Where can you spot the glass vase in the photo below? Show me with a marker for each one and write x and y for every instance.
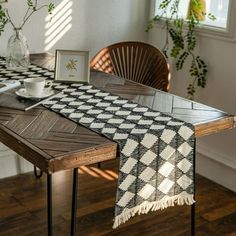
(17, 51)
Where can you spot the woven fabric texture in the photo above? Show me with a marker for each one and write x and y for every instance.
(156, 150)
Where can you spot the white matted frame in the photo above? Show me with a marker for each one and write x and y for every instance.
(72, 66)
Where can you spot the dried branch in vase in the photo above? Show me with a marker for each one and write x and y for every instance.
(32, 7)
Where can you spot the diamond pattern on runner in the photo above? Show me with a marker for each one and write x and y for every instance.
(95, 125)
(149, 140)
(166, 169)
(184, 165)
(167, 152)
(156, 150)
(184, 181)
(125, 199)
(129, 179)
(168, 135)
(148, 157)
(185, 132)
(120, 136)
(165, 185)
(147, 174)
(129, 147)
(146, 191)
(185, 149)
(128, 166)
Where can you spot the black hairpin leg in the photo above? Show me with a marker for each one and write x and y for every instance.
(36, 174)
(74, 201)
(193, 207)
(99, 165)
(49, 203)
(193, 220)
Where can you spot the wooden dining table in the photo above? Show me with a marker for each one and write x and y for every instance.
(54, 143)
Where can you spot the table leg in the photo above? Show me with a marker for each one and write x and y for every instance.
(193, 207)
(36, 174)
(193, 220)
(74, 201)
(49, 203)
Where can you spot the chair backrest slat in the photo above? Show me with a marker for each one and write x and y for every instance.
(135, 61)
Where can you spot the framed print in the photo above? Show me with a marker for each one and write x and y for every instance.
(72, 66)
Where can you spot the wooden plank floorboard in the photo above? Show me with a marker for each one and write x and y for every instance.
(23, 207)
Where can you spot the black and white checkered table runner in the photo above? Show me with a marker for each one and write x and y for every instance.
(156, 150)
(33, 71)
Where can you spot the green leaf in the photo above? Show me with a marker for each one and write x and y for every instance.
(164, 4)
(181, 60)
(211, 16)
(30, 3)
(3, 19)
(184, 40)
(51, 7)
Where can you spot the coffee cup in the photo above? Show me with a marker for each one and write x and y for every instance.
(35, 86)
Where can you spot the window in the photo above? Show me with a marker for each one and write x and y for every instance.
(219, 8)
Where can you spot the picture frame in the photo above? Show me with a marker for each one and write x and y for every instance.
(72, 66)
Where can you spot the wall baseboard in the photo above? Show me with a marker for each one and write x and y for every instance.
(11, 163)
(216, 156)
(218, 168)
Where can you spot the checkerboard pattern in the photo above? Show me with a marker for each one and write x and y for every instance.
(33, 71)
(156, 150)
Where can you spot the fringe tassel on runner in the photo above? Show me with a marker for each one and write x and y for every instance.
(145, 207)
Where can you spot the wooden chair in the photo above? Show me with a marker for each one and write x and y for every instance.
(135, 61)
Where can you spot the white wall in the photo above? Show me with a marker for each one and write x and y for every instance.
(219, 93)
(95, 24)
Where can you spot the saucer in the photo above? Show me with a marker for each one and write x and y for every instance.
(23, 93)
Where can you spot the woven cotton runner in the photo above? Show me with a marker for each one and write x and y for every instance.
(156, 150)
(33, 71)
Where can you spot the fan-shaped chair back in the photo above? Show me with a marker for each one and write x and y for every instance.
(135, 61)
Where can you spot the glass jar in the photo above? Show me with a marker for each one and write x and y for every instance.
(17, 51)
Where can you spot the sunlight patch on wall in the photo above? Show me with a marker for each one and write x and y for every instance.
(58, 24)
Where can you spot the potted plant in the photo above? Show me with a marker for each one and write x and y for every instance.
(17, 47)
(182, 33)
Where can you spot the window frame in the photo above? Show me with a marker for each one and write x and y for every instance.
(227, 33)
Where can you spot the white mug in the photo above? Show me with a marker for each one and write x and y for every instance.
(35, 86)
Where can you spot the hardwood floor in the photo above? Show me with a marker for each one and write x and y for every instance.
(23, 207)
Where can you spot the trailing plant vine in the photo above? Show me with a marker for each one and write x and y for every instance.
(182, 33)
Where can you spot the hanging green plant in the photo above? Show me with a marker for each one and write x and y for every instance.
(182, 33)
